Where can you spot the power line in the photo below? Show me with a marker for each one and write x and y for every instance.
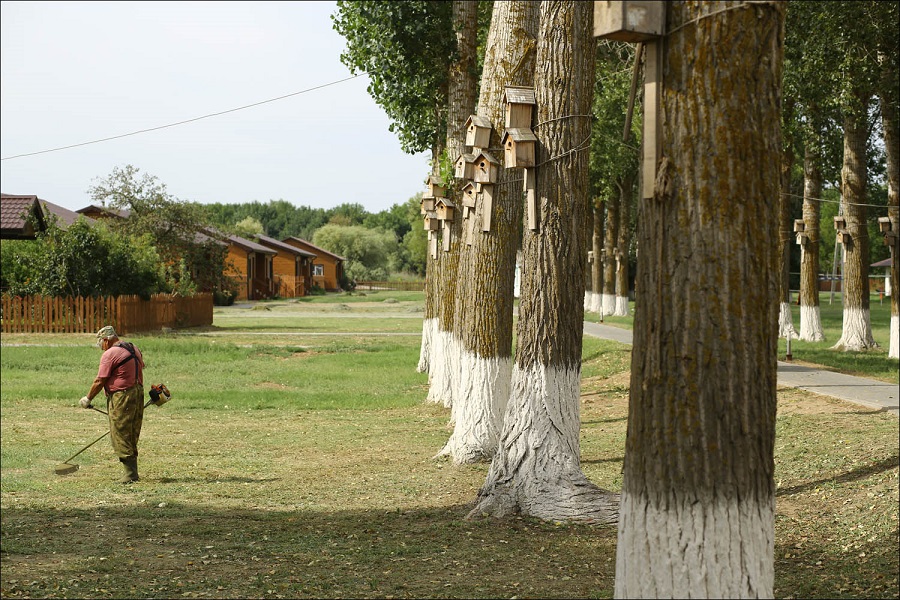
(834, 201)
(231, 110)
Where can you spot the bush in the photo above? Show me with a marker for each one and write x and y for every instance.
(223, 297)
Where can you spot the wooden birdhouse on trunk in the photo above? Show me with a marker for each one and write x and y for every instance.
(486, 168)
(435, 187)
(444, 209)
(518, 148)
(519, 106)
(799, 225)
(431, 221)
(478, 132)
(464, 167)
(427, 204)
(629, 21)
(469, 194)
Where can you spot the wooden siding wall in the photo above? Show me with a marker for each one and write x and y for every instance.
(128, 314)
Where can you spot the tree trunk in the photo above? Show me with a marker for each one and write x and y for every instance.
(537, 469)
(461, 104)
(626, 190)
(810, 317)
(892, 151)
(698, 496)
(856, 333)
(785, 238)
(432, 292)
(610, 234)
(597, 265)
(482, 339)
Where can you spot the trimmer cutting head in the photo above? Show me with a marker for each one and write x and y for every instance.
(65, 468)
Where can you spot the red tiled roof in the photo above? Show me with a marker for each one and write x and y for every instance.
(14, 211)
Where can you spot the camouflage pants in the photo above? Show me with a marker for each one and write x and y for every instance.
(126, 415)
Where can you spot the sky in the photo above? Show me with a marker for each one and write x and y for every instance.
(76, 72)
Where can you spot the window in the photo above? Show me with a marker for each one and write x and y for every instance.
(318, 270)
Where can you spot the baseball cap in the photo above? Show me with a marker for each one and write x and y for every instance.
(106, 331)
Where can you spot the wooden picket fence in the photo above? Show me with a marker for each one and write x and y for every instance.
(405, 286)
(128, 314)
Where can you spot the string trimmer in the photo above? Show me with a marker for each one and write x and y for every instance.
(159, 395)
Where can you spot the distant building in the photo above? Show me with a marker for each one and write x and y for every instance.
(328, 268)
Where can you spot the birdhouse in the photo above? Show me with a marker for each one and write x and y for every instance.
(531, 207)
(518, 147)
(427, 204)
(478, 132)
(843, 237)
(890, 239)
(590, 256)
(799, 225)
(629, 21)
(486, 168)
(884, 224)
(802, 239)
(468, 195)
(435, 187)
(840, 223)
(487, 209)
(519, 106)
(444, 209)
(431, 221)
(464, 167)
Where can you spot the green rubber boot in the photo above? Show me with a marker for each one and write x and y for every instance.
(131, 472)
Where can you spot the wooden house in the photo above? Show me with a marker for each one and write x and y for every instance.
(327, 267)
(22, 216)
(464, 167)
(444, 209)
(435, 187)
(431, 222)
(629, 20)
(291, 267)
(518, 147)
(249, 265)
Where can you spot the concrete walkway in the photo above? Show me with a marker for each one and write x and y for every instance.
(870, 393)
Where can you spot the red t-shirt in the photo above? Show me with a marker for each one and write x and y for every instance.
(123, 376)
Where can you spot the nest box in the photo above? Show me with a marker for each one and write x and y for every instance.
(884, 224)
(464, 167)
(468, 195)
(444, 209)
(431, 221)
(799, 225)
(478, 132)
(518, 147)
(629, 21)
(519, 106)
(843, 236)
(486, 168)
(435, 187)
(427, 204)
(840, 223)
(802, 239)
(590, 256)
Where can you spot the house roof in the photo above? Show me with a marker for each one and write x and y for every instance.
(15, 208)
(319, 251)
(110, 212)
(519, 95)
(882, 263)
(479, 122)
(273, 243)
(519, 134)
(249, 245)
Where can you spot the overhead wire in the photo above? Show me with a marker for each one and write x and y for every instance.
(207, 116)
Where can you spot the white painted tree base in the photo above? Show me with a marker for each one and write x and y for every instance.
(537, 468)
(440, 390)
(621, 306)
(609, 304)
(597, 303)
(429, 326)
(894, 348)
(688, 547)
(479, 401)
(856, 334)
(786, 322)
(811, 324)
(480, 392)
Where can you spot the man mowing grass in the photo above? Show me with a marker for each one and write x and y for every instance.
(121, 376)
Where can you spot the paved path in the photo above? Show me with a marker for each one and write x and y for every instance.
(871, 393)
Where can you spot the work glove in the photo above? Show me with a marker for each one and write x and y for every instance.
(85, 402)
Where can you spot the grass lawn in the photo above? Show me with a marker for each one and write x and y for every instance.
(295, 464)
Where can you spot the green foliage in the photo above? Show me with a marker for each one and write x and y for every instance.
(406, 48)
(415, 242)
(366, 250)
(82, 260)
(279, 218)
(177, 230)
(248, 227)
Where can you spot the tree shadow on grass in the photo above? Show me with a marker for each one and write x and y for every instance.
(852, 475)
(182, 550)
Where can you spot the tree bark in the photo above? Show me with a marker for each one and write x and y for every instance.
(482, 339)
(461, 104)
(892, 151)
(626, 190)
(537, 469)
(698, 496)
(610, 233)
(856, 333)
(810, 316)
